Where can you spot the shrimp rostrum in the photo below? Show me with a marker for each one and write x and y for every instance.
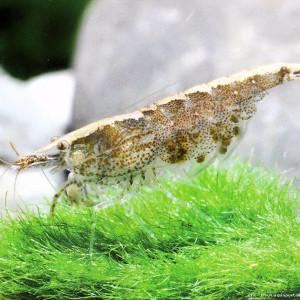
(198, 124)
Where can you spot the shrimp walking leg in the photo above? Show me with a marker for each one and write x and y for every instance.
(175, 200)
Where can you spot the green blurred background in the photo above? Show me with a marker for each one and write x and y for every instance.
(38, 36)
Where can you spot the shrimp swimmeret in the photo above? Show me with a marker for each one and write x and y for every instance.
(198, 124)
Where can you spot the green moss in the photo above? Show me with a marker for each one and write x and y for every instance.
(250, 244)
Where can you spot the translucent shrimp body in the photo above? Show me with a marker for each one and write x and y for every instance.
(198, 124)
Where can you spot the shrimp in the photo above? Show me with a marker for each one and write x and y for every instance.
(199, 124)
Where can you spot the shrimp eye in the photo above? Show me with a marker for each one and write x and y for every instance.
(63, 145)
(53, 139)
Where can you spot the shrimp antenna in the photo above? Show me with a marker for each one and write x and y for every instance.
(8, 167)
(17, 153)
(5, 162)
(149, 95)
(13, 147)
(15, 184)
(48, 179)
(4, 171)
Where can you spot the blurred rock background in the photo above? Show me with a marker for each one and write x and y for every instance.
(129, 53)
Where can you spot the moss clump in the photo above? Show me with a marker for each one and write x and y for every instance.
(247, 243)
